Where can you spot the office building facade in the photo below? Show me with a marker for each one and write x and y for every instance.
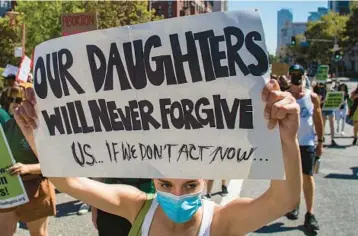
(316, 15)
(220, 5)
(5, 6)
(340, 7)
(284, 17)
(170, 9)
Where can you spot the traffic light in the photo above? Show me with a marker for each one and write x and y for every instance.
(338, 55)
(293, 40)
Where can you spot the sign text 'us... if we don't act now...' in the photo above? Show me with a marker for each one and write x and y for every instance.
(163, 99)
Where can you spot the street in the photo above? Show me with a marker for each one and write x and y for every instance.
(336, 205)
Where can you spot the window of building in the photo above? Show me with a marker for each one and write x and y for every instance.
(159, 11)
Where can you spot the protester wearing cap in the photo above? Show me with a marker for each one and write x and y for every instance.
(10, 80)
(310, 120)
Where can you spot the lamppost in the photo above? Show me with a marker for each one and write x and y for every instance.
(335, 46)
(12, 16)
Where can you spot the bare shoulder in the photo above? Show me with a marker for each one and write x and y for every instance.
(315, 98)
(133, 199)
(218, 225)
(314, 95)
(222, 217)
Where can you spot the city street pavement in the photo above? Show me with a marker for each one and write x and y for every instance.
(336, 204)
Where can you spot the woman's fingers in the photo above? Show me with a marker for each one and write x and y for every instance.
(283, 107)
(29, 109)
(15, 169)
(25, 114)
(30, 95)
(272, 85)
(278, 106)
(273, 98)
(15, 172)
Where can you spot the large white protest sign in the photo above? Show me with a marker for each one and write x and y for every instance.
(164, 99)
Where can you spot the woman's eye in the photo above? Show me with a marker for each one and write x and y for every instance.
(165, 185)
(191, 186)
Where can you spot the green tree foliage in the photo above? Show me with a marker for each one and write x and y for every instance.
(273, 59)
(120, 13)
(328, 28)
(43, 18)
(299, 53)
(351, 28)
(10, 38)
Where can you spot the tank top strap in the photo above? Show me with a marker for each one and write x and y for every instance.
(149, 217)
(306, 97)
(308, 92)
(208, 212)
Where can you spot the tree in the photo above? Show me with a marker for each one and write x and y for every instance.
(42, 18)
(298, 52)
(351, 29)
(10, 38)
(330, 26)
(273, 59)
(121, 13)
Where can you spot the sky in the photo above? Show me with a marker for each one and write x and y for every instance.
(268, 11)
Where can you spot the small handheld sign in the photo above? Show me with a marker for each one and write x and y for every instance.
(333, 101)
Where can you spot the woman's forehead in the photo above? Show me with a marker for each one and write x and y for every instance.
(179, 181)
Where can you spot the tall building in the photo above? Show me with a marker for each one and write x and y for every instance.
(316, 15)
(4, 7)
(292, 29)
(284, 17)
(219, 5)
(178, 8)
(341, 7)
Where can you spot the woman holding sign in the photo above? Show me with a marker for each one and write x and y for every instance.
(178, 209)
(39, 190)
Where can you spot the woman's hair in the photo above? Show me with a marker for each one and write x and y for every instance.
(11, 92)
(343, 86)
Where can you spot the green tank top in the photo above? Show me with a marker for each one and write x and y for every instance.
(4, 117)
(20, 148)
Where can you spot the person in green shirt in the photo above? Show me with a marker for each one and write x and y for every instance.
(109, 224)
(4, 117)
(40, 191)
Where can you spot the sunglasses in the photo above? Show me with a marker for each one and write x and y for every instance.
(17, 100)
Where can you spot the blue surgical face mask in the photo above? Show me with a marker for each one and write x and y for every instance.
(179, 209)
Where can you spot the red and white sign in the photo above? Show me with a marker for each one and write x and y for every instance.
(74, 23)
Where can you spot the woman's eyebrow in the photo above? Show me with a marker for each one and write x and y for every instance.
(164, 181)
